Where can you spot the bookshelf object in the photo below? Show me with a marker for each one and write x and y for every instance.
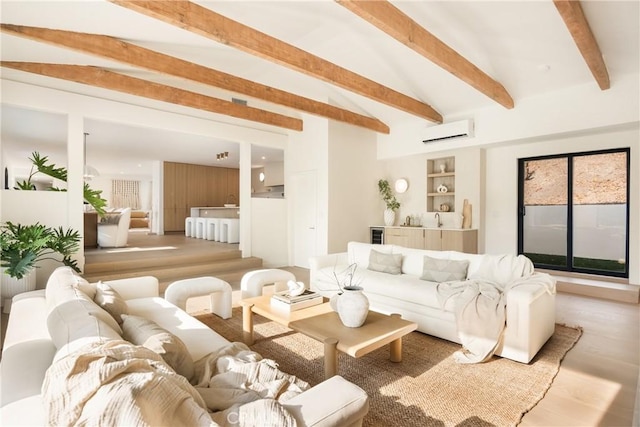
(441, 173)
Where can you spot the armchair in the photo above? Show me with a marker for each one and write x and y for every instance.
(114, 234)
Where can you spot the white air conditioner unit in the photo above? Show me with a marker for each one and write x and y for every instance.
(459, 129)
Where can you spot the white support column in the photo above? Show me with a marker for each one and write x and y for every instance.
(245, 199)
(75, 182)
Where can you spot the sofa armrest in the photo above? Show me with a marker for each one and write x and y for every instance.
(531, 318)
(136, 287)
(334, 402)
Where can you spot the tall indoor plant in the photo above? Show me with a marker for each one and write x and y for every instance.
(41, 164)
(23, 246)
(390, 201)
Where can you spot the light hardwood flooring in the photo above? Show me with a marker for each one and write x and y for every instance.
(597, 384)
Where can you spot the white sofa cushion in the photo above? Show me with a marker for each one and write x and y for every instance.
(147, 333)
(198, 337)
(62, 287)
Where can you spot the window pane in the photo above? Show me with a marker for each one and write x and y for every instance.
(600, 211)
(545, 219)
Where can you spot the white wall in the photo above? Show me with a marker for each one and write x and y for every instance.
(354, 204)
(469, 185)
(575, 109)
(307, 151)
(269, 231)
(502, 186)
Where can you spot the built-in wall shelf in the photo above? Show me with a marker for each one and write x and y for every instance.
(441, 171)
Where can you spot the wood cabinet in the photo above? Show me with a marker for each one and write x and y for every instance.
(187, 185)
(452, 240)
(441, 172)
(90, 230)
(407, 237)
(433, 239)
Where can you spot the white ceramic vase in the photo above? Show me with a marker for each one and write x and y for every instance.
(352, 306)
(12, 286)
(389, 217)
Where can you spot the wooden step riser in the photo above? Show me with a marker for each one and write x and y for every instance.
(133, 264)
(173, 273)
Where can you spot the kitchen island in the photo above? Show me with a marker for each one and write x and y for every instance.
(215, 212)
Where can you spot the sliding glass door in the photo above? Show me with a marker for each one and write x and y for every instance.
(574, 212)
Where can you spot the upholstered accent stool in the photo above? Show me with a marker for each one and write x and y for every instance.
(190, 226)
(230, 230)
(201, 228)
(179, 292)
(253, 281)
(213, 229)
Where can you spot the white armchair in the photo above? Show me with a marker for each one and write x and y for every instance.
(114, 233)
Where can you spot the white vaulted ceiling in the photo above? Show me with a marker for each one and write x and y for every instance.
(523, 45)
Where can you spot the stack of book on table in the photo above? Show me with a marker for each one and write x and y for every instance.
(291, 303)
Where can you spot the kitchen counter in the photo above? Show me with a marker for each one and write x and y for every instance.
(216, 211)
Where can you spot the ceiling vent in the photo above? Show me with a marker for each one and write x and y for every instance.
(239, 101)
(459, 129)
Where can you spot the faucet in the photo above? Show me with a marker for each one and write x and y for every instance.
(438, 218)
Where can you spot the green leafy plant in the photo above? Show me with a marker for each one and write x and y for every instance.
(24, 245)
(41, 164)
(387, 195)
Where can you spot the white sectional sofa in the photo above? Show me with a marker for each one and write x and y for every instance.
(530, 308)
(46, 325)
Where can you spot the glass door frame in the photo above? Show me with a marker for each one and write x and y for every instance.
(521, 211)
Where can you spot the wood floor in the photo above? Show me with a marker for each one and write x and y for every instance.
(597, 384)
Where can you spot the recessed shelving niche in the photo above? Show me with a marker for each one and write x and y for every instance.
(435, 178)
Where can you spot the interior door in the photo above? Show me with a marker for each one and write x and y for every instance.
(304, 196)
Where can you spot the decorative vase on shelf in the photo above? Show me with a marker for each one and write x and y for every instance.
(351, 305)
(389, 217)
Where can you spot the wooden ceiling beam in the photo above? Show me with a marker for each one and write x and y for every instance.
(205, 22)
(395, 23)
(577, 24)
(99, 77)
(127, 53)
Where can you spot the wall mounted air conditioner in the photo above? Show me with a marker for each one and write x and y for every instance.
(459, 129)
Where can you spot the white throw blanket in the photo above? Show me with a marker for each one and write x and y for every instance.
(118, 383)
(480, 303)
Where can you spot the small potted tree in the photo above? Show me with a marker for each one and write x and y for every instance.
(23, 246)
(390, 201)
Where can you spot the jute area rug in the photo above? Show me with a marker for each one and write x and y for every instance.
(427, 388)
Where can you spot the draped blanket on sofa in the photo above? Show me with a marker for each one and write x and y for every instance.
(118, 383)
(479, 303)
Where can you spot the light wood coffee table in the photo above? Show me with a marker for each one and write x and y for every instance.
(378, 330)
(262, 305)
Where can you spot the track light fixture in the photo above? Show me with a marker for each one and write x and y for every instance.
(222, 156)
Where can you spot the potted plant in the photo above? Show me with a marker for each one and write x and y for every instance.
(41, 165)
(390, 201)
(23, 246)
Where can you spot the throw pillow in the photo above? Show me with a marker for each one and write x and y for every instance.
(140, 331)
(109, 299)
(385, 263)
(444, 270)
